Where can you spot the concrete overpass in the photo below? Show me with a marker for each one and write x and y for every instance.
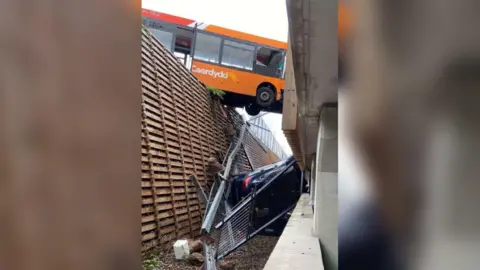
(310, 122)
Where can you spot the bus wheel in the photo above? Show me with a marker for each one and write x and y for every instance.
(265, 97)
(252, 109)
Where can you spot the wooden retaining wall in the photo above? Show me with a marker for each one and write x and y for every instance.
(181, 128)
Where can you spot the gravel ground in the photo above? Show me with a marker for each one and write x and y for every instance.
(254, 254)
(163, 260)
(251, 256)
(170, 263)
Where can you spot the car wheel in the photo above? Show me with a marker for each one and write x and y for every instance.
(265, 97)
(252, 109)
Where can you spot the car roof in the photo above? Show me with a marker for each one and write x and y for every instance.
(270, 167)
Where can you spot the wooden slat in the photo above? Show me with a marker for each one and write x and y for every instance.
(161, 199)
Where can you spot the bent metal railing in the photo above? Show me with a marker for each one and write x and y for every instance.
(217, 206)
(226, 228)
(256, 212)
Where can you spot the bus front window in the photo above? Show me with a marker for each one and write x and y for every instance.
(269, 62)
(284, 68)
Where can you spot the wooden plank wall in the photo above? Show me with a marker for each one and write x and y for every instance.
(178, 136)
(181, 128)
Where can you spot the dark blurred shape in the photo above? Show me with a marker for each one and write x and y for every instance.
(70, 141)
(363, 241)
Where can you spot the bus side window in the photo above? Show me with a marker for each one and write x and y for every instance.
(207, 48)
(238, 55)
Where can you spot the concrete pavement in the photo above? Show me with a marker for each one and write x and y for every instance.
(297, 248)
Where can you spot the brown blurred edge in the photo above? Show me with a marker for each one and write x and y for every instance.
(70, 140)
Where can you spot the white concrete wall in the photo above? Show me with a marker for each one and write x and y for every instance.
(325, 216)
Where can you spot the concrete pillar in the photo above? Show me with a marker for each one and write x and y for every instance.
(312, 182)
(325, 216)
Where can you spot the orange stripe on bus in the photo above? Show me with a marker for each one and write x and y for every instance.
(233, 80)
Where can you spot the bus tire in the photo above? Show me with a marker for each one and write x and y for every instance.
(252, 109)
(265, 97)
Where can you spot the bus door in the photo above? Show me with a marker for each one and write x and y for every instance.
(177, 39)
(183, 46)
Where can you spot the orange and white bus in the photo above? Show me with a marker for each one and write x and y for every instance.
(248, 68)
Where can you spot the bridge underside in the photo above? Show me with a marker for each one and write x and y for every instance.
(314, 65)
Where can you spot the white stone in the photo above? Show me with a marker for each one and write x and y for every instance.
(181, 249)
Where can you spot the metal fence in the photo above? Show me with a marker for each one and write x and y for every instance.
(261, 131)
(244, 221)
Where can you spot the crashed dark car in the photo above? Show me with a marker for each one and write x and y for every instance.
(281, 183)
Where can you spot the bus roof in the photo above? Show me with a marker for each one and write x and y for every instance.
(213, 29)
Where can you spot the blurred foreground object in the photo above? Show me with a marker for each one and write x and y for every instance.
(344, 36)
(70, 141)
(415, 100)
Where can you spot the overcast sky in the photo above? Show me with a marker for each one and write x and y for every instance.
(266, 18)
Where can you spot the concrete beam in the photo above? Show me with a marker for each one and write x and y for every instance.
(313, 41)
(290, 109)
